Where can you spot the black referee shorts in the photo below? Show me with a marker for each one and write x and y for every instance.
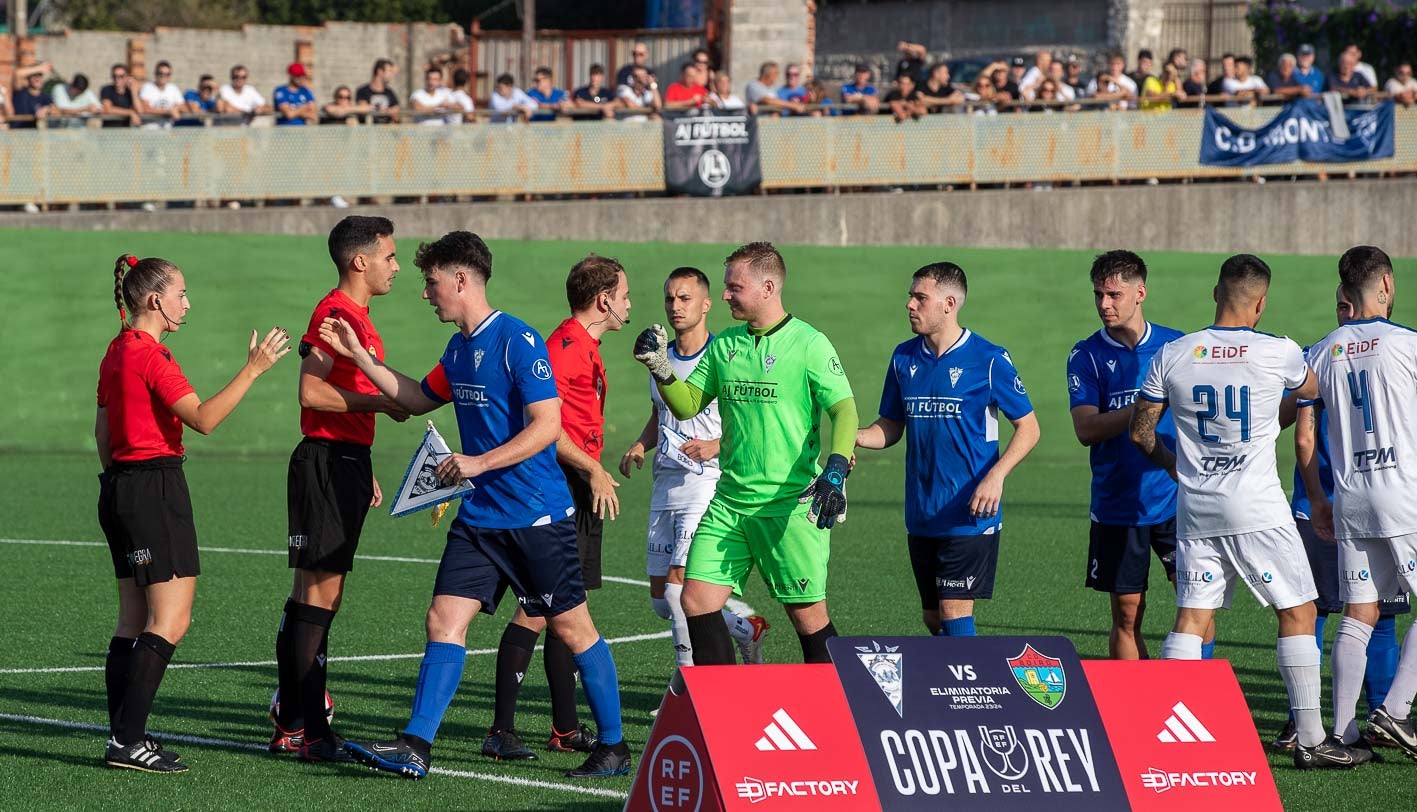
(145, 511)
(328, 489)
(589, 527)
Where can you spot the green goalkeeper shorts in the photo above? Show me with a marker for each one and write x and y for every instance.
(791, 554)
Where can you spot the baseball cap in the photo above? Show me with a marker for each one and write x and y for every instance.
(1306, 50)
(1017, 62)
(862, 67)
(295, 69)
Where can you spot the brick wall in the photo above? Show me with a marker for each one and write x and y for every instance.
(768, 30)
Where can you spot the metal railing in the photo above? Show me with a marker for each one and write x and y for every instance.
(61, 165)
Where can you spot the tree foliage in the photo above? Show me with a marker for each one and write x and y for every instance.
(1387, 34)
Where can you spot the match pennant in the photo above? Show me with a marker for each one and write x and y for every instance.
(670, 444)
(421, 488)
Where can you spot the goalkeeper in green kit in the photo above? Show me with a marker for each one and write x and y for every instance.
(772, 377)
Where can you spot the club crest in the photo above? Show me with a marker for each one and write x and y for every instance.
(1040, 676)
(955, 372)
(768, 362)
(477, 359)
(884, 665)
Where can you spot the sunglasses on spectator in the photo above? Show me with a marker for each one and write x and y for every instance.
(342, 97)
(794, 73)
(164, 73)
(208, 88)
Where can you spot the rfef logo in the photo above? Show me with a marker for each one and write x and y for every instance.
(676, 779)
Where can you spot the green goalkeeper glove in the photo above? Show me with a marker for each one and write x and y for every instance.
(652, 350)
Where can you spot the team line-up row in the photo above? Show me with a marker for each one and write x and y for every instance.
(737, 484)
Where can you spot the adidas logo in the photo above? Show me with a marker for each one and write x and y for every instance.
(1183, 726)
(784, 734)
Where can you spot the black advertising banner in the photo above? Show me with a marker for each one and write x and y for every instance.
(711, 155)
(978, 723)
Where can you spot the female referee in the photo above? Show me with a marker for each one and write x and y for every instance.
(143, 507)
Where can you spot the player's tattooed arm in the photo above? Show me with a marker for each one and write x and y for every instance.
(1145, 415)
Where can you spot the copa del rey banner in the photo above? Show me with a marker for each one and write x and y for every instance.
(1303, 131)
(711, 155)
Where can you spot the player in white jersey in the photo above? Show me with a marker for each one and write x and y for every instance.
(1224, 385)
(685, 472)
(1367, 376)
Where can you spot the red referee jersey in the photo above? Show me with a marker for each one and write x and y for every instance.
(580, 380)
(343, 427)
(138, 381)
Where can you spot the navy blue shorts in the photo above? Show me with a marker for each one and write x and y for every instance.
(1323, 561)
(953, 567)
(1119, 557)
(541, 565)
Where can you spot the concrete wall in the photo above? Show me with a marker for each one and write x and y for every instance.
(1299, 218)
(342, 52)
(767, 30)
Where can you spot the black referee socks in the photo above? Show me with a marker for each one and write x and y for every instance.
(814, 645)
(308, 626)
(115, 677)
(513, 659)
(147, 663)
(710, 638)
(561, 679)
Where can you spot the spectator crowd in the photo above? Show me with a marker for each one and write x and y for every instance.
(919, 88)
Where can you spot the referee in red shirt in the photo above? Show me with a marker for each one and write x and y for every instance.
(330, 485)
(143, 505)
(598, 292)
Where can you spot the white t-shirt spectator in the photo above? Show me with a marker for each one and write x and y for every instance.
(627, 92)
(730, 102)
(504, 104)
(60, 94)
(1394, 86)
(161, 98)
(1368, 73)
(442, 97)
(246, 101)
(464, 103)
(1065, 92)
(1232, 86)
(1124, 81)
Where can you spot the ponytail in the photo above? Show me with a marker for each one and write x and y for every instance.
(134, 279)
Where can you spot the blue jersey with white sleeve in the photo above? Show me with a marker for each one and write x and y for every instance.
(1127, 489)
(950, 406)
(490, 377)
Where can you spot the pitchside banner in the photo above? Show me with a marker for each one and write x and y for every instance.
(711, 156)
(1303, 131)
(1003, 723)
(1183, 736)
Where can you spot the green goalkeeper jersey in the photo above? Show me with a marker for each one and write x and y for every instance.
(771, 390)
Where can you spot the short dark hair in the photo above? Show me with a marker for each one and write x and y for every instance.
(597, 68)
(235, 69)
(80, 82)
(380, 64)
(689, 272)
(163, 64)
(456, 249)
(1242, 272)
(687, 66)
(1244, 60)
(1124, 264)
(118, 66)
(1226, 55)
(206, 77)
(460, 77)
(542, 71)
(762, 257)
(1360, 266)
(432, 69)
(1145, 53)
(1175, 52)
(354, 235)
(591, 277)
(505, 79)
(943, 273)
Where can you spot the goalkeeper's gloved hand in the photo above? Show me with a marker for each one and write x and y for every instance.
(827, 494)
(652, 350)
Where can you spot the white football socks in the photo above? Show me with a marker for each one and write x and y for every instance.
(1350, 663)
(1179, 646)
(1298, 659)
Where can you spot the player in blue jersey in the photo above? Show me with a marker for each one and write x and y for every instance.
(515, 528)
(1310, 429)
(943, 392)
(1133, 509)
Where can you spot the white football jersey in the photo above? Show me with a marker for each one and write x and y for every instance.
(1224, 386)
(675, 486)
(1367, 372)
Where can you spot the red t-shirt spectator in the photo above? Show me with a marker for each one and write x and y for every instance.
(580, 380)
(343, 427)
(138, 381)
(680, 92)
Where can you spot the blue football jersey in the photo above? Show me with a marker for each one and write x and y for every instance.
(1127, 489)
(1300, 503)
(490, 377)
(950, 406)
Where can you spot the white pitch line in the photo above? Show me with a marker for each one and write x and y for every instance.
(260, 748)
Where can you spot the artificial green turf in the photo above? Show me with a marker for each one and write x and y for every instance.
(60, 607)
